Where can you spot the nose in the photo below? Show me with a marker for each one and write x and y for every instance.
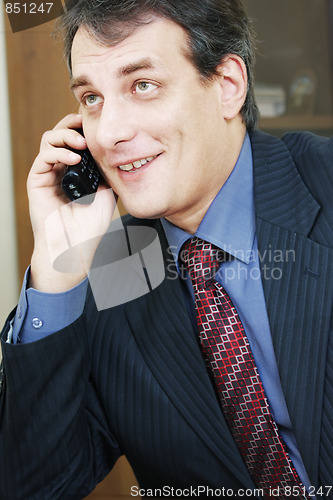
(115, 125)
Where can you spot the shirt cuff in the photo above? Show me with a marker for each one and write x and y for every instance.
(40, 314)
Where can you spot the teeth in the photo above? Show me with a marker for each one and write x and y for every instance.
(137, 164)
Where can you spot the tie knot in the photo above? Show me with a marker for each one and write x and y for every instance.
(202, 259)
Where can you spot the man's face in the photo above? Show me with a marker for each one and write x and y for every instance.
(157, 132)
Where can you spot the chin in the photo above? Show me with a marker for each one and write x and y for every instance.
(143, 212)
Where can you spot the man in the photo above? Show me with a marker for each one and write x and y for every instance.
(166, 104)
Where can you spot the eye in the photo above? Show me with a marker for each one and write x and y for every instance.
(144, 88)
(91, 100)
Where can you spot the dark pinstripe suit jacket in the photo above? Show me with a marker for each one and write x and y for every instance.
(131, 379)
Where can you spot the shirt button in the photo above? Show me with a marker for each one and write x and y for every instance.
(19, 312)
(37, 323)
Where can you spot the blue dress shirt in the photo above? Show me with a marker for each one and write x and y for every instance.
(230, 225)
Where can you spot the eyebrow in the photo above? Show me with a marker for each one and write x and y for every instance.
(81, 81)
(136, 66)
(146, 63)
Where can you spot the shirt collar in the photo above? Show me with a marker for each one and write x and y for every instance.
(229, 222)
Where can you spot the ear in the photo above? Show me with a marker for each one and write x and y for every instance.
(232, 76)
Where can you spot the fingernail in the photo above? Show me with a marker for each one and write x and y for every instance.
(81, 139)
(74, 156)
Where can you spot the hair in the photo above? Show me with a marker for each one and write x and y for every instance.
(215, 28)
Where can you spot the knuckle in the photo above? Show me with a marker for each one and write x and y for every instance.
(46, 137)
(73, 116)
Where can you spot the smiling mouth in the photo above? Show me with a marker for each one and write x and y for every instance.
(136, 165)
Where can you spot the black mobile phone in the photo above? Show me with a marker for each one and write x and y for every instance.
(81, 179)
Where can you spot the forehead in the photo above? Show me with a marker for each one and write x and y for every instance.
(160, 41)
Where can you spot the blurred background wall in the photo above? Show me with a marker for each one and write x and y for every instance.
(8, 253)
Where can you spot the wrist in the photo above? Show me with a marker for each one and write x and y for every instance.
(44, 278)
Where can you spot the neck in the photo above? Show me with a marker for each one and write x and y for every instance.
(191, 221)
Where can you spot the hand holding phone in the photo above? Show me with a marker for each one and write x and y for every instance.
(57, 224)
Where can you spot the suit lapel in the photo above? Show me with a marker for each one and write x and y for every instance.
(165, 336)
(296, 280)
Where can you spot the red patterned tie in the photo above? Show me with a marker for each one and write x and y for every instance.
(229, 357)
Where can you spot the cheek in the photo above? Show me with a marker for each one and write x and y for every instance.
(89, 134)
(110, 177)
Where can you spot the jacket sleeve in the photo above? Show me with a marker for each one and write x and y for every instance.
(55, 442)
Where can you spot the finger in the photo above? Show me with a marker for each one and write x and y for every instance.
(62, 138)
(49, 179)
(46, 161)
(73, 120)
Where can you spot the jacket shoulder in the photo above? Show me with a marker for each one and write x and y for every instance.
(313, 157)
(307, 143)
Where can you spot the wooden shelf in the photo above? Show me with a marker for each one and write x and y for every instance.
(298, 122)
